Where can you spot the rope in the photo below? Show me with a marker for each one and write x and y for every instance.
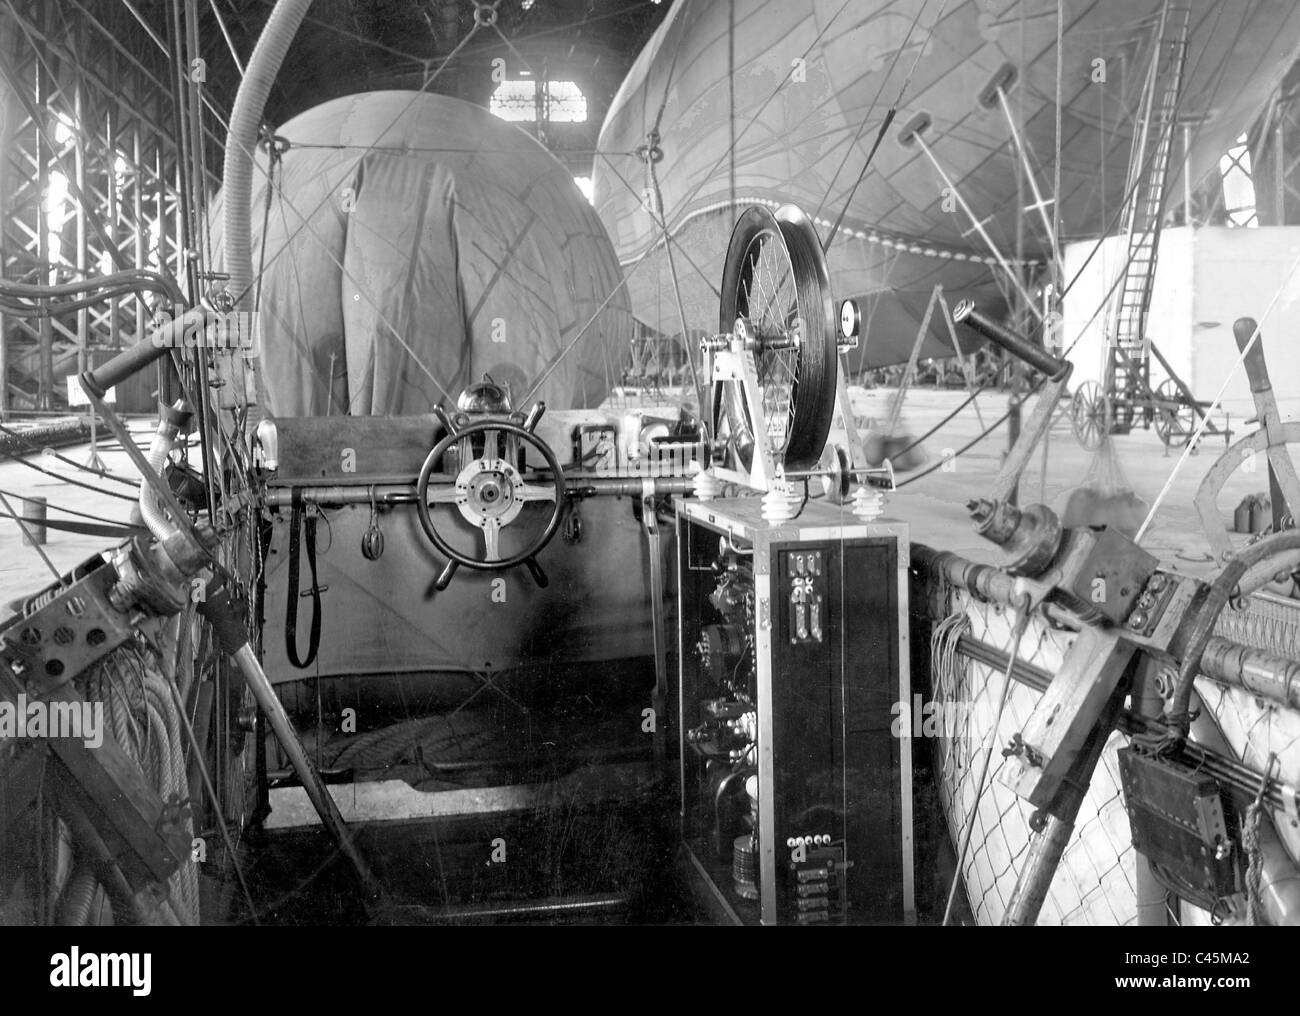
(28, 533)
(555, 361)
(962, 450)
(930, 433)
(1250, 842)
(69, 479)
(884, 124)
(37, 448)
(68, 511)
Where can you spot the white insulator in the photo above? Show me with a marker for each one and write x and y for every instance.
(868, 503)
(780, 504)
(706, 486)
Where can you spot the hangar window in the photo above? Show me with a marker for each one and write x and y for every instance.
(519, 101)
(1238, 187)
(565, 102)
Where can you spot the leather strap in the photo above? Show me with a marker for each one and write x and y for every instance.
(291, 603)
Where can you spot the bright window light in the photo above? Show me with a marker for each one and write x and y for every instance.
(1238, 188)
(584, 185)
(565, 102)
(516, 100)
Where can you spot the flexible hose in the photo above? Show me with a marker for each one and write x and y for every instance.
(245, 119)
(78, 898)
(1222, 589)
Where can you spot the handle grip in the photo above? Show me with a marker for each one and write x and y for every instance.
(131, 361)
(1256, 366)
(1037, 357)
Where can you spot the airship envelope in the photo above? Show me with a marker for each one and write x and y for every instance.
(414, 243)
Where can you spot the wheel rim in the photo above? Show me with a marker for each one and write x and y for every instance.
(434, 458)
(1174, 426)
(776, 278)
(1090, 415)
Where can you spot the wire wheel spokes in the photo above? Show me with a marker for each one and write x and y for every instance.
(1174, 424)
(1090, 415)
(776, 280)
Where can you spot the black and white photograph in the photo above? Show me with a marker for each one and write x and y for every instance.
(647, 464)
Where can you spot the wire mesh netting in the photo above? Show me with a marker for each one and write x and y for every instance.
(1257, 730)
(1094, 883)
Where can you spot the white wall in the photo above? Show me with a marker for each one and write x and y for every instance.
(1206, 279)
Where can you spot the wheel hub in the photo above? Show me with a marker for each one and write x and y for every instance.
(487, 489)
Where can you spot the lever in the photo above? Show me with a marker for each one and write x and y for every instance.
(448, 573)
(1037, 357)
(535, 570)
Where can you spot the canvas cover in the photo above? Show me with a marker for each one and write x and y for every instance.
(415, 242)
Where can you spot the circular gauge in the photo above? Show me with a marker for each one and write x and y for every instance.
(850, 319)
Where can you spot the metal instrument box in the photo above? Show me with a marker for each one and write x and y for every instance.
(793, 654)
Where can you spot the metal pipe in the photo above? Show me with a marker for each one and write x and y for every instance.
(546, 907)
(404, 493)
(1265, 675)
(1040, 359)
(1242, 780)
(151, 509)
(1041, 861)
(1225, 662)
(912, 133)
(269, 702)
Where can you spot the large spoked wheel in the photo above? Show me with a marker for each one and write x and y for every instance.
(1090, 415)
(1175, 419)
(775, 283)
(490, 492)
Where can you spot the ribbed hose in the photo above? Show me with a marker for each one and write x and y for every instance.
(1221, 590)
(78, 898)
(245, 119)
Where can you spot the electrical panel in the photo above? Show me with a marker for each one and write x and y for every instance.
(796, 793)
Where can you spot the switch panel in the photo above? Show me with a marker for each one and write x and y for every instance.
(804, 585)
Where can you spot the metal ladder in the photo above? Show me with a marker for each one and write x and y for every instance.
(1127, 381)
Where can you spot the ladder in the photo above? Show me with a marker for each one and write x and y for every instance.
(1127, 381)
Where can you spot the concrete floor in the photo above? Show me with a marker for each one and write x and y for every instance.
(934, 505)
(21, 569)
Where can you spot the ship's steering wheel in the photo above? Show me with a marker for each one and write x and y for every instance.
(489, 491)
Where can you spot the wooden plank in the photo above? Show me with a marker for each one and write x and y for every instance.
(313, 449)
(1058, 728)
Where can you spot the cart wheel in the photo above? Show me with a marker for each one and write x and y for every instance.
(1090, 415)
(1175, 426)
